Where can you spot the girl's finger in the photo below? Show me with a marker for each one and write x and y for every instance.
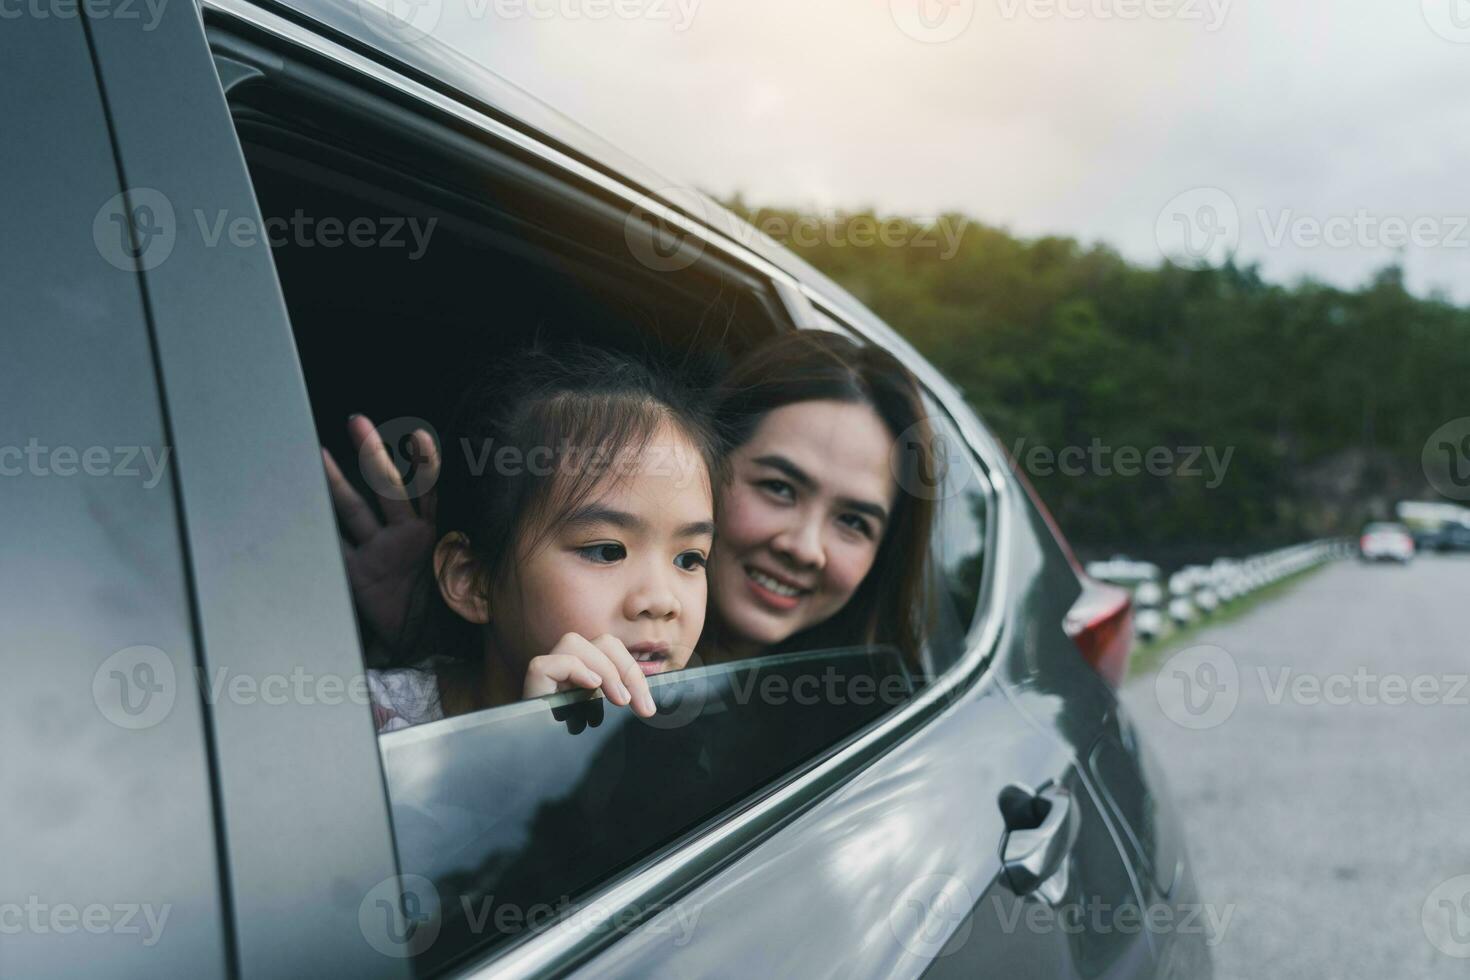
(379, 471)
(429, 452)
(557, 672)
(629, 672)
(358, 519)
(574, 644)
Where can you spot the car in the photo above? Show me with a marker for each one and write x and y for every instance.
(232, 228)
(1384, 541)
(1449, 538)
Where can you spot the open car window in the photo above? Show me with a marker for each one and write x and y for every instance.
(506, 820)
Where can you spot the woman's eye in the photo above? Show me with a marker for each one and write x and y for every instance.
(780, 488)
(603, 554)
(691, 561)
(858, 524)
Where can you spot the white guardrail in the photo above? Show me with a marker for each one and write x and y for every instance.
(1197, 592)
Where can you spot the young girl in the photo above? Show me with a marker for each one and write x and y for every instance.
(574, 521)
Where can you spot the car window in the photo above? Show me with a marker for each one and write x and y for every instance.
(962, 504)
(504, 818)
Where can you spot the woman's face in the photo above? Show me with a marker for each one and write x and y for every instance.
(800, 520)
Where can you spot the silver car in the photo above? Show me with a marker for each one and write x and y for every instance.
(231, 226)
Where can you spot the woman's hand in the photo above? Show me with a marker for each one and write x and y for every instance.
(577, 662)
(384, 557)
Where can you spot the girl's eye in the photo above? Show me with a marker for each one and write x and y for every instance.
(691, 561)
(780, 488)
(857, 523)
(603, 554)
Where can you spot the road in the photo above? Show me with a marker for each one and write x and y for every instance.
(1329, 815)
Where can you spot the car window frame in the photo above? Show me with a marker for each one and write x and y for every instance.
(664, 879)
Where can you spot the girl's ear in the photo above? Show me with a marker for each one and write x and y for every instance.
(456, 569)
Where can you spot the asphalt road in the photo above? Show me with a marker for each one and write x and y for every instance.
(1335, 820)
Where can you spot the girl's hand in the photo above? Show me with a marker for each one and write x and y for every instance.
(577, 662)
(383, 557)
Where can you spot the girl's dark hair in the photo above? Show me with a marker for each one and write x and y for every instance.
(531, 441)
(889, 606)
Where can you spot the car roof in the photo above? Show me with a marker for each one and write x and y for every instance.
(447, 69)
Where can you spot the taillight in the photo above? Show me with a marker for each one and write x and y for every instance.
(1363, 541)
(1101, 624)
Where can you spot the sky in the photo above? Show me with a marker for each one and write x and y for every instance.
(1315, 138)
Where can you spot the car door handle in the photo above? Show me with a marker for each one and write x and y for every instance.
(1035, 858)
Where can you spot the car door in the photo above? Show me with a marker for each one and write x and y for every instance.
(297, 783)
(108, 833)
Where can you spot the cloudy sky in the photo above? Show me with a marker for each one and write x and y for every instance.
(1312, 136)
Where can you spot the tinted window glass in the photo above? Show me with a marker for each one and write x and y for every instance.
(958, 550)
(514, 812)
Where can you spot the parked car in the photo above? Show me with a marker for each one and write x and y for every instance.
(1385, 541)
(165, 303)
(1448, 538)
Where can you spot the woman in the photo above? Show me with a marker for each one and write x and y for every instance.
(817, 543)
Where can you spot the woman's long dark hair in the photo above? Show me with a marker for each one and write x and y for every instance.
(889, 606)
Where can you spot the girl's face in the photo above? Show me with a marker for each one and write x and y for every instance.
(630, 563)
(809, 497)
